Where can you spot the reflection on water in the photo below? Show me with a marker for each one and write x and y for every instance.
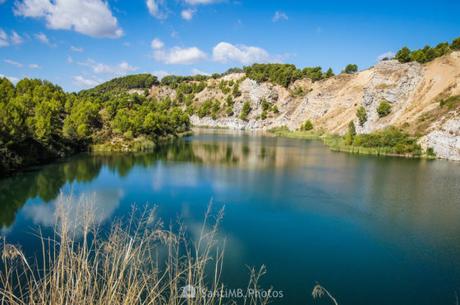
(390, 225)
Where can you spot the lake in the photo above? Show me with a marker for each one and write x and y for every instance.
(372, 230)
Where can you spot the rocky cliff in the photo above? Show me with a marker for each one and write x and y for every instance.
(414, 92)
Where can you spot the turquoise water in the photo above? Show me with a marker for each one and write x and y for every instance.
(371, 230)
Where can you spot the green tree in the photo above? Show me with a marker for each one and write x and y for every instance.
(403, 55)
(455, 44)
(351, 132)
(350, 69)
(329, 73)
(245, 111)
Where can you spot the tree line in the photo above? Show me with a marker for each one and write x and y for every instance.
(427, 53)
(41, 122)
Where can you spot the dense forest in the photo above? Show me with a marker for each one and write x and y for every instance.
(40, 122)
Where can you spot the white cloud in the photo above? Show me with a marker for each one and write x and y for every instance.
(13, 63)
(157, 44)
(388, 55)
(90, 17)
(10, 78)
(76, 49)
(42, 38)
(83, 82)
(279, 16)
(16, 38)
(187, 14)
(226, 52)
(99, 68)
(155, 8)
(199, 72)
(180, 56)
(3, 39)
(160, 74)
(196, 2)
(34, 66)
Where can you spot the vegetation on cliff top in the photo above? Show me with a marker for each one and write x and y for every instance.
(428, 53)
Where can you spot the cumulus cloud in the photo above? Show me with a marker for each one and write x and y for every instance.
(179, 56)
(388, 55)
(89, 17)
(100, 68)
(3, 39)
(76, 49)
(226, 52)
(157, 44)
(16, 38)
(279, 16)
(187, 14)
(83, 82)
(34, 66)
(13, 63)
(156, 8)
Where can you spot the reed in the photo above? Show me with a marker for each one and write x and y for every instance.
(138, 261)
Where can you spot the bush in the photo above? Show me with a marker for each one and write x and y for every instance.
(361, 114)
(384, 109)
(403, 55)
(455, 44)
(350, 69)
(245, 110)
(307, 126)
(390, 138)
(450, 102)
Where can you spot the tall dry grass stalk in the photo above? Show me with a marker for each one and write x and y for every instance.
(138, 262)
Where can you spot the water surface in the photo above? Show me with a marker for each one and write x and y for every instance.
(372, 230)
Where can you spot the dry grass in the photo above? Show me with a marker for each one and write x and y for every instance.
(137, 262)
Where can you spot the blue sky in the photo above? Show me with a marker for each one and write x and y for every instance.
(79, 43)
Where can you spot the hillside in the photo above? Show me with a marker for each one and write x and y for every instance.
(417, 95)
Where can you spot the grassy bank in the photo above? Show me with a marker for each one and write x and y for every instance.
(387, 142)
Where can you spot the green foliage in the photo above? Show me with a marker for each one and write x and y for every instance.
(403, 55)
(236, 90)
(428, 53)
(351, 132)
(210, 107)
(307, 126)
(455, 44)
(329, 73)
(384, 109)
(350, 69)
(313, 73)
(281, 74)
(245, 111)
(39, 121)
(450, 102)
(120, 84)
(361, 114)
(391, 137)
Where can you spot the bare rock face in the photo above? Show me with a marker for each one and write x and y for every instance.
(445, 141)
(394, 83)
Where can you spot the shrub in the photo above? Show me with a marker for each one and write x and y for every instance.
(361, 114)
(350, 69)
(307, 126)
(455, 44)
(403, 55)
(384, 109)
(245, 110)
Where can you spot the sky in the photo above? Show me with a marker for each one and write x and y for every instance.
(81, 43)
